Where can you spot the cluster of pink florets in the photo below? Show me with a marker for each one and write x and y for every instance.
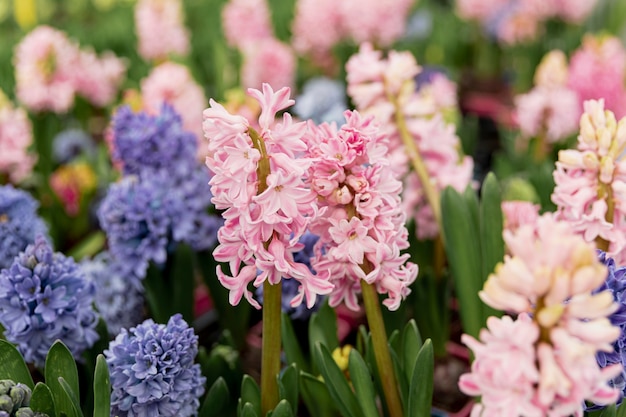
(50, 70)
(362, 228)
(16, 136)
(543, 362)
(385, 87)
(160, 29)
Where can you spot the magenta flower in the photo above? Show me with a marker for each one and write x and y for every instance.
(267, 204)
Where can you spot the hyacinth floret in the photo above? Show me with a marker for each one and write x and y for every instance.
(142, 141)
(44, 296)
(616, 283)
(153, 372)
(549, 279)
(119, 305)
(19, 223)
(590, 191)
(257, 180)
(362, 230)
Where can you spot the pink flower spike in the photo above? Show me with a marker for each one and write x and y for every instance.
(238, 285)
(271, 103)
(351, 238)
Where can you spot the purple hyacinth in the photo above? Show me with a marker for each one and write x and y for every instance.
(322, 100)
(44, 296)
(146, 142)
(153, 372)
(120, 305)
(19, 223)
(616, 283)
(145, 216)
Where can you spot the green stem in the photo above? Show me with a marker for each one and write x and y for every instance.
(270, 361)
(381, 349)
(419, 166)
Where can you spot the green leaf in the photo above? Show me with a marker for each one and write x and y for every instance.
(61, 364)
(71, 394)
(216, 401)
(101, 389)
(609, 411)
(42, 401)
(421, 389)
(283, 409)
(323, 328)
(251, 393)
(291, 346)
(460, 229)
(182, 281)
(491, 224)
(363, 385)
(315, 396)
(621, 410)
(411, 345)
(336, 383)
(288, 386)
(249, 410)
(157, 293)
(12, 365)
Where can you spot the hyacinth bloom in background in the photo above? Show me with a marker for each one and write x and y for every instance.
(160, 29)
(44, 70)
(615, 283)
(173, 84)
(19, 223)
(16, 136)
(322, 100)
(268, 61)
(153, 372)
(362, 230)
(551, 109)
(44, 296)
(320, 25)
(245, 22)
(98, 78)
(119, 305)
(386, 89)
(519, 213)
(589, 191)
(511, 21)
(597, 71)
(544, 362)
(71, 143)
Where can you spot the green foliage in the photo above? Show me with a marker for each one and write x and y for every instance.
(12, 365)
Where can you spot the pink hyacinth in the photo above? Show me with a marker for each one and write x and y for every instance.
(575, 11)
(268, 61)
(519, 213)
(16, 136)
(597, 71)
(362, 227)
(590, 190)
(549, 353)
(320, 25)
(160, 29)
(98, 78)
(246, 22)
(172, 83)
(257, 180)
(45, 61)
(385, 88)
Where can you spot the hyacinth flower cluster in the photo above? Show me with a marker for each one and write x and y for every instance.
(543, 363)
(44, 296)
(511, 22)
(550, 111)
(16, 136)
(50, 69)
(615, 283)
(362, 230)
(19, 223)
(156, 204)
(248, 27)
(119, 305)
(417, 131)
(160, 29)
(153, 372)
(590, 181)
